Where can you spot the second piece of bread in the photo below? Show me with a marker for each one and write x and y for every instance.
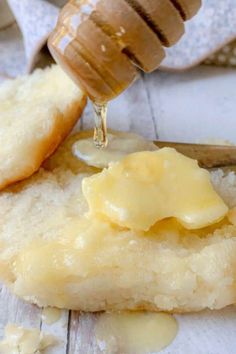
(36, 113)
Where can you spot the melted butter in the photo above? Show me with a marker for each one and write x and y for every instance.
(147, 187)
(120, 145)
(51, 315)
(100, 129)
(24, 341)
(135, 332)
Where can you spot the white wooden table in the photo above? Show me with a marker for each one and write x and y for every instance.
(192, 106)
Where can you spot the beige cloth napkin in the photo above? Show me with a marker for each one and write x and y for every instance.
(212, 29)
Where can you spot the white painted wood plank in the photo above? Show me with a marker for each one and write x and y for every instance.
(14, 310)
(59, 330)
(208, 332)
(82, 337)
(194, 105)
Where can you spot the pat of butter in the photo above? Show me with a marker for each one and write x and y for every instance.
(146, 187)
(24, 341)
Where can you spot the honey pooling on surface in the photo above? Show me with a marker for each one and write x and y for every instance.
(100, 129)
(135, 332)
(51, 315)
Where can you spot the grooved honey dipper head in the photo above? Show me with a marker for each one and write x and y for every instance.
(101, 43)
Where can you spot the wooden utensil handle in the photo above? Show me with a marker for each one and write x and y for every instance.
(208, 156)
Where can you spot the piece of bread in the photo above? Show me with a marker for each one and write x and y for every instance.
(36, 113)
(52, 255)
(25, 340)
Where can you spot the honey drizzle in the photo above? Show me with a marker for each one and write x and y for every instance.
(134, 332)
(100, 129)
(51, 315)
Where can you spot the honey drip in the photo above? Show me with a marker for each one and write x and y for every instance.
(51, 315)
(135, 332)
(100, 129)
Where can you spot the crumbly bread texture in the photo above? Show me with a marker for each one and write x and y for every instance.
(36, 113)
(25, 341)
(52, 254)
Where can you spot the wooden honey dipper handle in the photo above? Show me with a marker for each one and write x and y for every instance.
(101, 43)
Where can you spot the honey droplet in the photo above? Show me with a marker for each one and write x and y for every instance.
(51, 315)
(100, 129)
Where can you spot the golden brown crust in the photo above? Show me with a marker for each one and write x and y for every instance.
(73, 113)
(50, 143)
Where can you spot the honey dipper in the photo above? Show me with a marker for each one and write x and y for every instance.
(102, 43)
